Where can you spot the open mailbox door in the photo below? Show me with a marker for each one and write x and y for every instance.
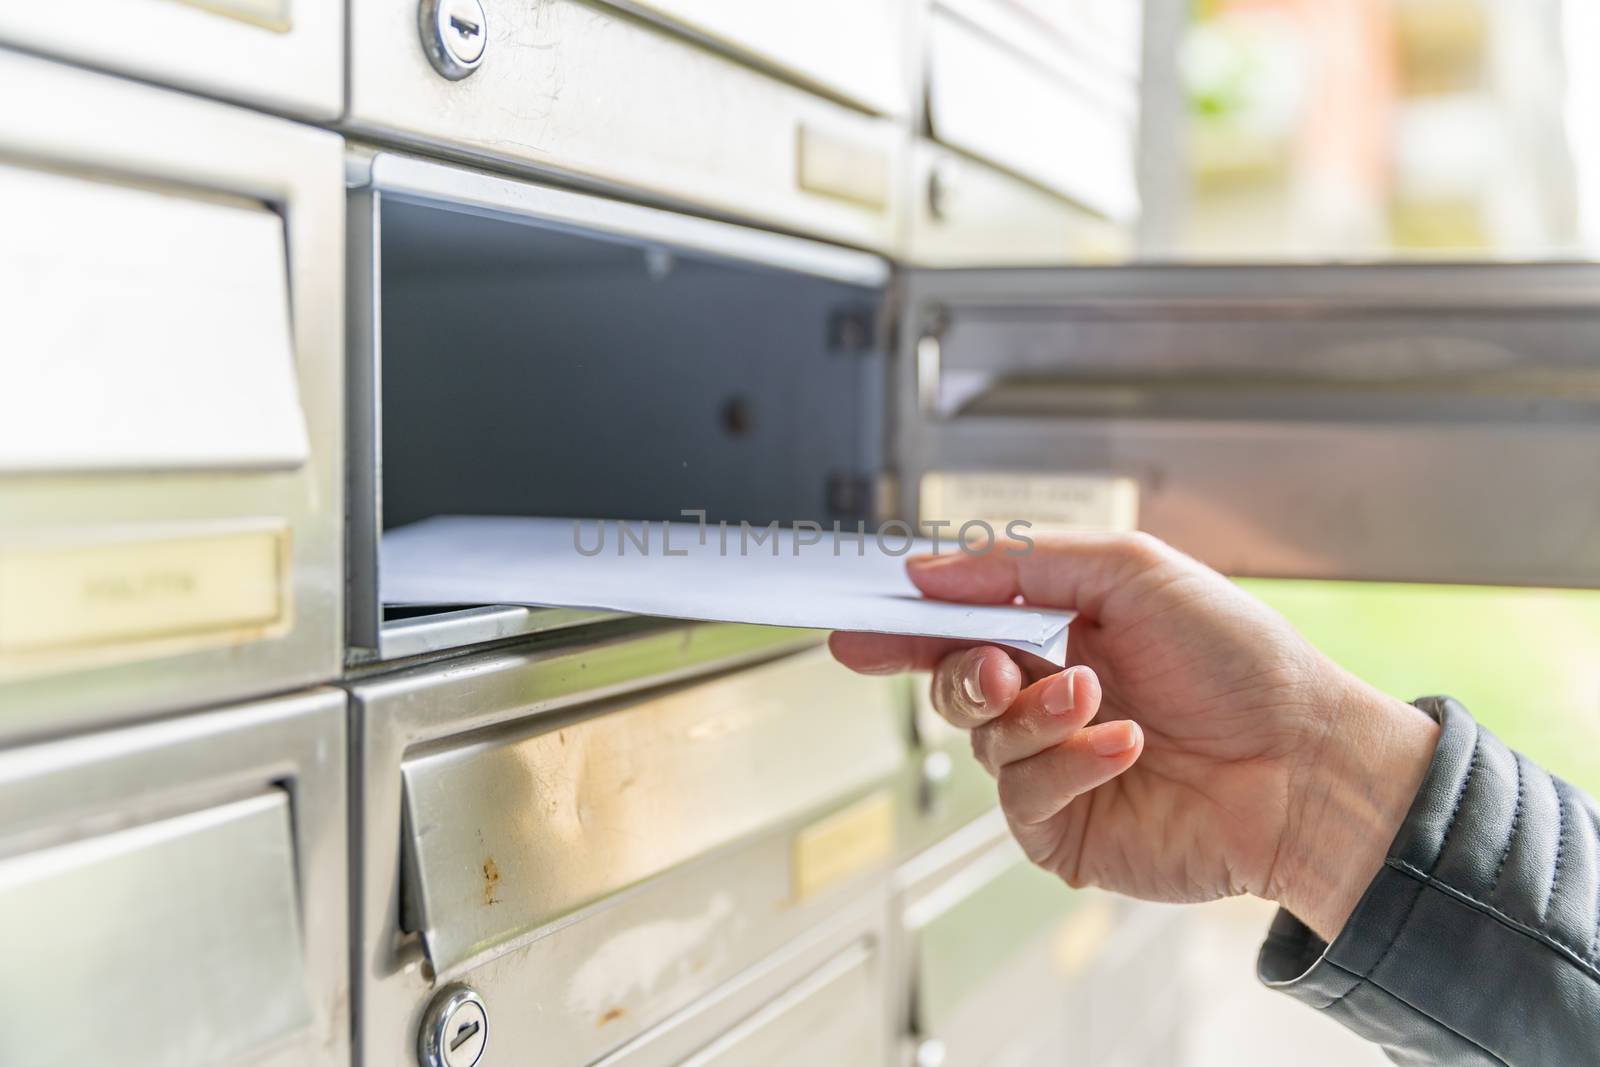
(1432, 423)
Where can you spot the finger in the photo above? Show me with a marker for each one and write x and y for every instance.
(1074, 572)
(974, 686)
(890, 653)
(867, 653)
(1035, 789)
(1044, 842)
(1043, 715)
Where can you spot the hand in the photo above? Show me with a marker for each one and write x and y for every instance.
(1198, 747)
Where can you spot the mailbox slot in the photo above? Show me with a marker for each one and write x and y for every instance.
(522, 350)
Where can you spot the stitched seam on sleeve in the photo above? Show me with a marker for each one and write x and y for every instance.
(1511, 837)
(1543, 936)
(1395, 937)
(1561, 844)
(1461, 794)
(1455, 810)
(1426, 1015)
(1595, 939)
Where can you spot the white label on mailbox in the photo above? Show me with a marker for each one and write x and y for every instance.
(144, 330)
(1072, 502)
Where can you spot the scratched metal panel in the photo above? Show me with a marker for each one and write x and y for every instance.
(506, 834)
(589, 92)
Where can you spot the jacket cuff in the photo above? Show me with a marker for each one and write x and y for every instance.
(1296, 961)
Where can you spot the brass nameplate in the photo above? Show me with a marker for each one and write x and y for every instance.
(842, 844)
(80, 601)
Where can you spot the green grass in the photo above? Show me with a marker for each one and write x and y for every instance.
(1525, 662)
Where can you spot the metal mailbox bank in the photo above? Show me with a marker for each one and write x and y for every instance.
(281, 274)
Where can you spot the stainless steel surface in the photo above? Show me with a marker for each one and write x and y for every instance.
(455, 35)
(590, 94)
(857, 50)
(455, 1030)
(1001, 91)
(972, 214)
(107, 129)
(781, 988)
(941, 183)
(1325, 422)
(279, 54)
(593, 981)
(190, 871)
(945, 789)
(131, 288)
(831, 1017)
(425, 634)
(363, 385)
(990, 951)
(200, 896)
(479, 193)
(632, 789)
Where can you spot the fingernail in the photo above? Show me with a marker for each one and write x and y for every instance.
(1057, 696)
(935, 559)
(972, 680)
(1113, 738)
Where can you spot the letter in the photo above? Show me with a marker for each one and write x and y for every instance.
(1011, 532)
(988, 532)
(745, 529)
(935, 525)
(640, 540)
(860, 537)
(905, 532)
(805, 526)
(577, 538)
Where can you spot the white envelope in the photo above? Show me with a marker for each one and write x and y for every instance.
(686, 571)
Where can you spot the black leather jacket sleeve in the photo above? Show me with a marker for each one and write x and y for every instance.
(1476, 943)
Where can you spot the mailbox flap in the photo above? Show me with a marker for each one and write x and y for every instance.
(148, 330)
(193, 921)
(1390, 422)
(507, 833)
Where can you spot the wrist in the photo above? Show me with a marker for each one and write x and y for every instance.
(1352, 788)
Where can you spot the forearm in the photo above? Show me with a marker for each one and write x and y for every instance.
(1349, 796)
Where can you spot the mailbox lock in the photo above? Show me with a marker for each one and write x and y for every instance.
(455, 1029)
(454, 34)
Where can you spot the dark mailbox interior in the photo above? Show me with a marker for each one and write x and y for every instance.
(533, 370)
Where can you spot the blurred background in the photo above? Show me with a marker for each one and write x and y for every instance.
(1373, 129)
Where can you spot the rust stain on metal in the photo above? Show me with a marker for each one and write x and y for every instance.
(491, 881)
(612, 1015)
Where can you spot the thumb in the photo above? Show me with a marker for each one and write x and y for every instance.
(1073, 572)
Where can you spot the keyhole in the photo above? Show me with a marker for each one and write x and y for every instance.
(464, 1033)
(463, 27)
